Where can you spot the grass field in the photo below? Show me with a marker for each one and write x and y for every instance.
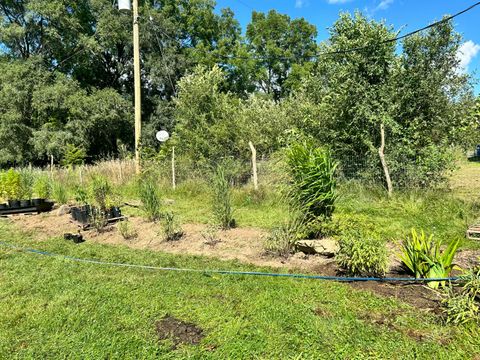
(56, 308)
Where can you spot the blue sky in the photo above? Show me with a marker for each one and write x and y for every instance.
(407, 15)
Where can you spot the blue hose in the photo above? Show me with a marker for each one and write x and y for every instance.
(228, 272)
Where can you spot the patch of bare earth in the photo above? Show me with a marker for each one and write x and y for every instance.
(178, 331)
(242, 244)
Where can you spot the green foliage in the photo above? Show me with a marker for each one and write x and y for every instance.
(11, 185)
(59, 192)
(81, 195)
(222, 199)
(172, 230)
(423, 257)
(100, 190)
(42, 187)
(127, 230)
(150, 196)
(313, 185)
(73, 156)
(27, 181)
(362, 254)
(460, 308)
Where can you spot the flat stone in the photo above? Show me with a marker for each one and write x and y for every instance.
(324, 247)
(63, 210)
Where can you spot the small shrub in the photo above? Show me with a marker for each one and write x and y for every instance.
(222, 199)
(12, 185)
(127, 230)
(172, 230)
(98, 219)
(151, 200)
(282, 240)
(41, 187)
(100, 190)
(27, 180)
(59, 192)
(81, 195)
(460, 308)
(210, 235)
(423, 257)
(362, 255)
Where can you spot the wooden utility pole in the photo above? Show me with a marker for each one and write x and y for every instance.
(174, 183)
(137, 79)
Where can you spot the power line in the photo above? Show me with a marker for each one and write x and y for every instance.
(346, 51)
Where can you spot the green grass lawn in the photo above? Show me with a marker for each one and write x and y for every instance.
(56, 308)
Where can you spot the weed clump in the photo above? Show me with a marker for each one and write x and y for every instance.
(172, 230)
(127, 230)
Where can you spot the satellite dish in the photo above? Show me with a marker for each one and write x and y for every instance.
(162, 136)
(124, 5)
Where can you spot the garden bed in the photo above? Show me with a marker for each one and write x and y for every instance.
(242, 244)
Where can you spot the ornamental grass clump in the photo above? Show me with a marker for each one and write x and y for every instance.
(150, 196)
(222, 199)
(312, 187)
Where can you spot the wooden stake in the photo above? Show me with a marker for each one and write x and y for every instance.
(174, 185)
(254, 165)
(382, 159)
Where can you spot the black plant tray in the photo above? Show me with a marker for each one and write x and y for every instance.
(44, 207)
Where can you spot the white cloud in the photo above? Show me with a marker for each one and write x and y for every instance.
(467, 51)
(301, 3)
(338, 1)
(384, 4)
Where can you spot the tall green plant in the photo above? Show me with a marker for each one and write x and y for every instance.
(100, 190)
(424, 258)
(150, 196)
(222, 199)
(12, 185)
(41, 187)
(313, 184)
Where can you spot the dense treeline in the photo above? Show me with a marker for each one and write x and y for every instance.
(66, 81)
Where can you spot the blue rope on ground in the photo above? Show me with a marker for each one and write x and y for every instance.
(227, 272)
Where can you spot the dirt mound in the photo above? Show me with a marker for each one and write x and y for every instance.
(178, 331)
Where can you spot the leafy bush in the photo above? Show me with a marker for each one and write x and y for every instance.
(81, 195)
(127, 230)
(222, 199)
(313, 185)
(364, 255)
(422, 256)
(100, 190)
(41, 187)
(171, 229)
(150, 196)
(12, 185)
(59, 192)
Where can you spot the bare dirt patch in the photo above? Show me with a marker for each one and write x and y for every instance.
(179, 332)
(242, 244)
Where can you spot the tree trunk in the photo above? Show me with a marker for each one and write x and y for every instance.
(254, 165)
(381, 150)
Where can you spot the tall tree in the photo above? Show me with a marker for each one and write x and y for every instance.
(282, 48)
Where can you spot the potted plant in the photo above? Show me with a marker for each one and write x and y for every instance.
(41, 189)
(12, 184)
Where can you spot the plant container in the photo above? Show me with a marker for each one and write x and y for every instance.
(3, 206)
(25, 203)
(37, 202)
(116, 212)
(14, 204)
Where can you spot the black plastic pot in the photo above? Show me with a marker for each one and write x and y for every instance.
(74, 212)
(114, 212)
(3, 206)
(14, 204)
(37, 202)
(25, 203)
(82, 217)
